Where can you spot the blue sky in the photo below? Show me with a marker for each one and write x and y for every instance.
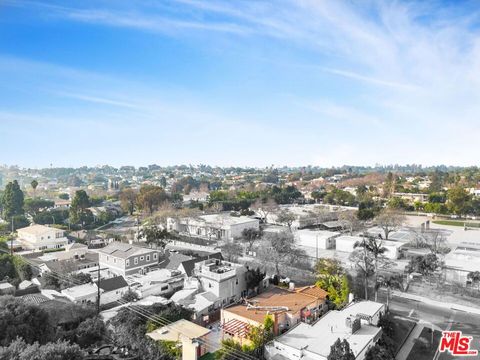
(239, 82)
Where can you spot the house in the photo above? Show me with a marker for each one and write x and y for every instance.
(112, 289)
(157, 282)
(463, 260)
(126, 259)
(82, 294)
(310, 240)
(41, 237)
(347, 243)
(72, 251)
(193, 337)
(213, 226)
(356, 323)
(65, 262)
(187, 266)
(287, 308)
(224, 279)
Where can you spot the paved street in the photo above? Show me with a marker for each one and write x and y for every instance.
(441, 318)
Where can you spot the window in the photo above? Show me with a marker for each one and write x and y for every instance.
(108, 258)
(236, 281)
(148, 257)
(127, 262)
(114, 260)
(135, 260)
(141, 258)
(209, 285)
(155, 255)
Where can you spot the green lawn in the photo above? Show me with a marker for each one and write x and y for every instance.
(423, 349)
(208, 356)
(402, 329)
(456, 223)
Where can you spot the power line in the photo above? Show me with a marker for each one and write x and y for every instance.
(147, 314)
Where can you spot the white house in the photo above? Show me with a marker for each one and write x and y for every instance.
(225, 280)
(313, 239)
(460, 262)
(213, 226)
(112, 289)
(356, 323)
(346, 243)
(81, 294)
(159, 282)
(41, 237)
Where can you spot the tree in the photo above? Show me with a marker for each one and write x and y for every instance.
(230, 350)
(128, 199)
(340, 350)
(64, 196)
(363, 262)
(279, 249)
(130, 296)
(254, 277)
(60, 350)
(154, 235)
(392, 282)
(34, 185)
(231, 251)
(332, 278)
(250, 236)
(264, 207)
(376, 249)
(7, 267)
(458, 200)
(35, 205)
(425, 265)
(12, 201)
(78, 208)
(474, 276)
(150, 197)
(350, 221)
(286, 217)
(389, 220)
(90, 331)
(20, 320)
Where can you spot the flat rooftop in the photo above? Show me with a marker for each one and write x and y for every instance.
(318, 338)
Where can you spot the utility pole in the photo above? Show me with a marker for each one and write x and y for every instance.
(98, 289)
(11, 239)
(316, 246)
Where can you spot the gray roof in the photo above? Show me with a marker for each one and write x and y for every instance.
(173, 260)
(189, 265)
(114, 283)
(123, 250)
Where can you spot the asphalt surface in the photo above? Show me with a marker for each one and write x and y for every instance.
(441, 318)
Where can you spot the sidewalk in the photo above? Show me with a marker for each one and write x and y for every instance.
(446, 305)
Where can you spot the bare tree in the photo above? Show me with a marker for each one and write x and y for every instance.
(250, 236)
(264, 207)
(350, 221)
(279, 248)
(286, 217)
(389, 220)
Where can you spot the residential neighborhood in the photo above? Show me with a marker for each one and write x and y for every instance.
(239, 180)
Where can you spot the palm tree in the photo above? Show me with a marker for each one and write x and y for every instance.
(392, 282)
(376, 249)
(34, 185)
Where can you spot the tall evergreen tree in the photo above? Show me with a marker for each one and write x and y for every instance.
(12, 200)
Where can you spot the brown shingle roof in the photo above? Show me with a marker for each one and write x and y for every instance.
(314, 291)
